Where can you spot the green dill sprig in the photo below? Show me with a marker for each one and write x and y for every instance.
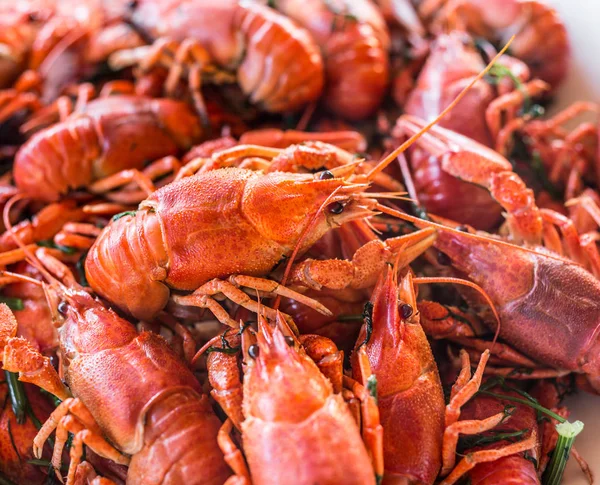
(567, 432)
(368, 319)
(80, 268)
(116, 217)
(372, 386)
(12, 302)
(49, 243)
(18, 398)
(498, 72)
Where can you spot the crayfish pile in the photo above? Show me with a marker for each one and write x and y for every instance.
(293, 242)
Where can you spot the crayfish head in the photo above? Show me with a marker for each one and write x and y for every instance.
(281, 383)
(86, 325)
(285, 207)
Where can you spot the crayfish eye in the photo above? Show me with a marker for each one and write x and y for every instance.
(253, 351)
(406, 311)
(326, 175)
(336, 208)
(63, 308)
(289, 340)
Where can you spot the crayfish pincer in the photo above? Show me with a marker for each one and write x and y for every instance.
(549, 306)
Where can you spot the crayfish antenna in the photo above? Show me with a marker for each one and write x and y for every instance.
(29, 257)
(390, 158)
(419, 222)
(55, 286)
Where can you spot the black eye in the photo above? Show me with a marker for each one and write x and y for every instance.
(406, 311)
(443, 259)
(63, 307)
(326, 175)
(289, 340)
(462, 228)
(336, 208)
(253, 351)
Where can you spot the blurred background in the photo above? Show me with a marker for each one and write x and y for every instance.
(581, 19)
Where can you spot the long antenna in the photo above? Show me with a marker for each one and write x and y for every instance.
(30, 258)
(387, 160)
(480, 237)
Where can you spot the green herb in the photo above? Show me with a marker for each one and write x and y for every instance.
(52, 478)
(36, 422)
(498, 72)
(80, 268)
(528, 400)
(40, 462)
(372, 386)
(494, 436)
(12, 303)
(530, 458)
(226, 348)
(49, 243)
(341, 15)
(567, 432)
(368, 319)
(18, 398)
(56, 401)
(272, 3)
(533, 404)
(537, 166)
(116, 217)
(69, 442)
(420, 211)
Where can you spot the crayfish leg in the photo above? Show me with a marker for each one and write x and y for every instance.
(463, 389)
(85, 473)
(202, 297)
(233, 456)
(465, 386)
(367, 262)
(371, 427)
(71, 416)
(484, 456)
